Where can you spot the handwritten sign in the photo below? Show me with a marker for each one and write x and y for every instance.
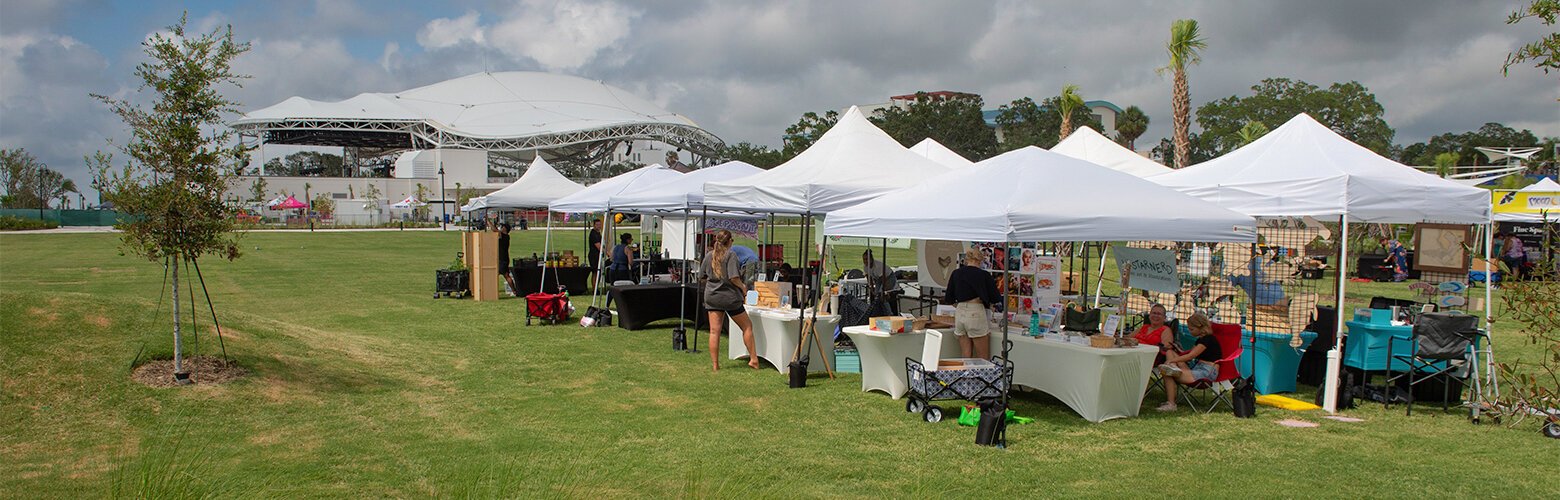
(1150, 269)
(747, 227)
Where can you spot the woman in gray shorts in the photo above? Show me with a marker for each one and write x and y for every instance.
(724, 294)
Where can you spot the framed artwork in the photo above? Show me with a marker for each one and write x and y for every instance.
(1442, 247)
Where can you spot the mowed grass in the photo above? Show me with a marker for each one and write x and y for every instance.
(363, 385)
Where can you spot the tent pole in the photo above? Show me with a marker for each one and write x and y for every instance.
(1099, 282)
(682, 296)
(546, 247)
(704, 215)
(1335, 356)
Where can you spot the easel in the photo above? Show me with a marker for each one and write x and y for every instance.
(810, 326)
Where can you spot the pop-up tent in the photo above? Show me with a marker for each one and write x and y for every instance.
(1088, 145)
(289, 204)
(1031, 194)
(680, 193)
(1534, 203)
(1305, 169)
(939, 153)
(853, 162)
(475, 204)
(409, 202)
(540, 185)
(598, 197)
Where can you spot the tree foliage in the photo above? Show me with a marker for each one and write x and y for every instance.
(1444, 163)
(757, 155)
(1347, 108)
(1544, 52)
(1488, 135)
(305, 164)
(1130, 125)
(806, 131)
(1027, 123)
(28, 183)
(956, 122)
(1199, 151)
(1250, 132)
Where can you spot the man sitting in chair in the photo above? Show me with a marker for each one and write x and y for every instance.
(881, 279)
(1264, 292)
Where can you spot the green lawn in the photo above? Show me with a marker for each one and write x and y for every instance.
(365, 386)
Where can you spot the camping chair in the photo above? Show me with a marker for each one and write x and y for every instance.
(1155, 380)
(1228, 336)
(1441, 347)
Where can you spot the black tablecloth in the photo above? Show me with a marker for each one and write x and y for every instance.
(638, 305)
(576, 279)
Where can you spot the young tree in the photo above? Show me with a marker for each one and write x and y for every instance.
(1251, 131)
(1444, 163)
(1185, 42)
(1067, 103)
(173, 181)
(1130, 125)
(257, 190)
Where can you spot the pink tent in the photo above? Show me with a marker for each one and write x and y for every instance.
(289, 204)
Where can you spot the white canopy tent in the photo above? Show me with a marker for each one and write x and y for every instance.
(1305, 169)
(409, 202)
(853, 162)
(680, 193)
(598, 197)
(939, 153)
(1545, 186)
(1031, 194)
(475, 204)
(1088, 145)
(540, 185)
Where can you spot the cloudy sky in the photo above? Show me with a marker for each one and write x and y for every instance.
(747, 69)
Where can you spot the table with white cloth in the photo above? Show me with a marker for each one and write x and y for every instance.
(775, 336)
(883, 356)
(1098, 383)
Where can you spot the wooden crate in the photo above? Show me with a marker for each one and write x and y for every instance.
(770, 292)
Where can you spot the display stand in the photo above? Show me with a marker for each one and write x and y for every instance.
(481, 256)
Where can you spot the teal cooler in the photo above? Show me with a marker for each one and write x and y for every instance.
(1278, 365)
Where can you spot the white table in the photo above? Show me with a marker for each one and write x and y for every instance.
(775, 335)
(883, 356)
(1099, 384)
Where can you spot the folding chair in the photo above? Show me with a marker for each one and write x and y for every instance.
(1228, 336)
(1441, 345)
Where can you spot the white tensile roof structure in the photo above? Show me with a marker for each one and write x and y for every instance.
(506, 111)
(1305, 169)
(1031, 194)
(540, 185)
(685, 192)
(939, 153)
(853, 162)
(597, 197)
(1087, 145)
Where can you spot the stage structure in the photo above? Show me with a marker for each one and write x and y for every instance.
(578, 123)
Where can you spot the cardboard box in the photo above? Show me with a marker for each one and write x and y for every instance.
(891, 324)
(940, 321)
(963, 364)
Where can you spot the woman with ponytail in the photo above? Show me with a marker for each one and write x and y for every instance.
(724, 293)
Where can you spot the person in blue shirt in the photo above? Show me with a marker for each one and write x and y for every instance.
(1262, 291)
(623, 258)
(747, 259)
(1397, 256)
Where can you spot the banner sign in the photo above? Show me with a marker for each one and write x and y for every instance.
(1517, 202)
(1150, 269)
(745, 227)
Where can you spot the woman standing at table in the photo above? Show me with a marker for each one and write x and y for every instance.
(622, 259)
(1198, 363)
(972, 291)
(724, 293)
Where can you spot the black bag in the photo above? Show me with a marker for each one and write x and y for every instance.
(601, 316)
(1244, 399)
(1345, 392)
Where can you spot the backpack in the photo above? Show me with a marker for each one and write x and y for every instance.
(1244, 399)
(596, 316)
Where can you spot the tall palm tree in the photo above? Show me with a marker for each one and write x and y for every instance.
(1185, 42)
(1066, 104)
(1130, 125)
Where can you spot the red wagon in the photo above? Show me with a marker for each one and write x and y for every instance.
(550, 307)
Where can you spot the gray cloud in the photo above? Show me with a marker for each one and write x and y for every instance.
(747, 69)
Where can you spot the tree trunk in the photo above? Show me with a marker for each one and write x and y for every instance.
(178, 361)
(1066, 126)
(1180, 102)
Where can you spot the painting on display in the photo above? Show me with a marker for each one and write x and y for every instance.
(1442, 247)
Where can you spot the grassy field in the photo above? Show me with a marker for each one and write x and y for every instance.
(362, 385)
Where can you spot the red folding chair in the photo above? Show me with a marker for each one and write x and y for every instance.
(1228, 336)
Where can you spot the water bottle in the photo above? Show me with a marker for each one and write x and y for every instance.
(1034, 324)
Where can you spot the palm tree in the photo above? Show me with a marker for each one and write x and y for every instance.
(1251, 131)
(1066, 103)
(1185, 40)
(1130, 125)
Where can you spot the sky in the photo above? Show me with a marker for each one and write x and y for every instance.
(745, 70)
